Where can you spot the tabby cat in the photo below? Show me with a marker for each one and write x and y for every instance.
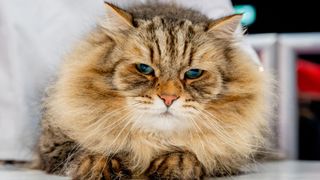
(155, 91)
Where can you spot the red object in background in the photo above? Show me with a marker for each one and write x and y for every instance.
(308, 79)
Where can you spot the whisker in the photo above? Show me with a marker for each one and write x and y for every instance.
(116, 138)
(109, 115)
(200, 139)
(221, 132)
(73, 151)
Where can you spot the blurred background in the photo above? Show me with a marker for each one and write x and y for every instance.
(35, 35)
(285, 36)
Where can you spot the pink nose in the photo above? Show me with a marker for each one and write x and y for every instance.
(168, 99)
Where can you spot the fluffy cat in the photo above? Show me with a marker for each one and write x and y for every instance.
(155, 91)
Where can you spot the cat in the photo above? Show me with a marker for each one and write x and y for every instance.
(155, 91)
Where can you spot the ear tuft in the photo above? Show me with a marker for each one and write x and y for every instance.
(116, 19)
(228, 25)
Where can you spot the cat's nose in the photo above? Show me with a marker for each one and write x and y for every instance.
(168, 99)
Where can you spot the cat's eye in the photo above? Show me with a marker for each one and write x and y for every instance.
(193, 73)
(145, 69)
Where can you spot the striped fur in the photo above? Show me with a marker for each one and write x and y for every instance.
(106, 108)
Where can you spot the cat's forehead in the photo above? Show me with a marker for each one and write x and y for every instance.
(170, 25)
(169, 42)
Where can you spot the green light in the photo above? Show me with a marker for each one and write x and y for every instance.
(249, 13)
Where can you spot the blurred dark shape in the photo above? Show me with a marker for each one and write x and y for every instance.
(308, 72)
(283, 16)
(309, 130)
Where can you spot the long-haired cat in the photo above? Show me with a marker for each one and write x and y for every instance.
(155, 91)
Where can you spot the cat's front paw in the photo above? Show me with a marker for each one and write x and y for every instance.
(175, 166)
(95, 167)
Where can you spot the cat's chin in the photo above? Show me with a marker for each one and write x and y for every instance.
(163, 122)
(167, 114)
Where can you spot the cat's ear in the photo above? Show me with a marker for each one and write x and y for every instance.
(227, 25)
(116, 19)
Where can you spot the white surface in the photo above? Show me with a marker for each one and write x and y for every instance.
(286, 170)
(11, 173)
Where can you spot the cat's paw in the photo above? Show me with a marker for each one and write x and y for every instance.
(94, 167)
(175, 166)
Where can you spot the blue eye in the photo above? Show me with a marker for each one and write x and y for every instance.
(144, 69)
(193, 73)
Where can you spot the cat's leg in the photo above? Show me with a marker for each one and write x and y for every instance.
(178, 165)
(58, 154)
(55, 151)
(97, 167)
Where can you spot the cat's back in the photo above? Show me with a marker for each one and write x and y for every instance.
(170, 12)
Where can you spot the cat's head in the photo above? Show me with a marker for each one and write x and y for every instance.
(169, 73)
(169, 69)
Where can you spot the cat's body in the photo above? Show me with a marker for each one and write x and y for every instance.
(107, 116)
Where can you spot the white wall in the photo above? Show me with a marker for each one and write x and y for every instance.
(34, 35)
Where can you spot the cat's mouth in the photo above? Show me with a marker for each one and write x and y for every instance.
(166, 114)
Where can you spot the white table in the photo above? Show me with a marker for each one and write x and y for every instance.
(284, 170)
